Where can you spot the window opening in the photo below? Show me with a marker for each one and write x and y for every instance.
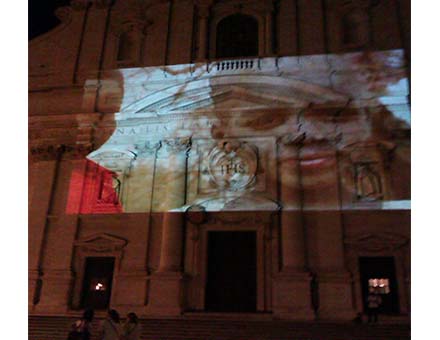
(237, 36)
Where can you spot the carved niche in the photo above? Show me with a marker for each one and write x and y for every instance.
(105, 190)
(232, 165)
(368, 182)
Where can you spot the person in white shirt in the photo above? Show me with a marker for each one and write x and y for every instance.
(111, 327)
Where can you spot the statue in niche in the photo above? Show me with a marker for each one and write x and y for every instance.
(109, 188)
(368, 184)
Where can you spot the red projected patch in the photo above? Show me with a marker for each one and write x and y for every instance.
(93, 189)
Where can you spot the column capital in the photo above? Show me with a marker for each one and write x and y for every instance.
(38, 153)
(77, 151)
(177, 145)
(148, 149)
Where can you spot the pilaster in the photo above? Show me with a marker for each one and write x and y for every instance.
(323, 221)
(292, 285)
(167, 283)
(43, 168)
(141, 176)
(57, 277)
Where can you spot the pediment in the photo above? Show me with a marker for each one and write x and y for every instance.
(238, 98)
(375, 242)
(246, 92)
(101, 243)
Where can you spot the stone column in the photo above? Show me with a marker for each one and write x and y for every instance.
(292, 285)
(166, 283)
(203, 32)
(292, 229)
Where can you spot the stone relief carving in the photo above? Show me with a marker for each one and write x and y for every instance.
(368, 182)
(233, 165)
(196, 214)
(176, 145)
(101, 243)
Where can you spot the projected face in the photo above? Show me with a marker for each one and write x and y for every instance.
(199, 135)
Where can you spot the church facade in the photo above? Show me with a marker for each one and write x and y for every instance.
(221, 156)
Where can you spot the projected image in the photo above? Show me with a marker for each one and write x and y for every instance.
(200, 135)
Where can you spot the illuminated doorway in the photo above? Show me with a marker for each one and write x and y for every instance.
(97, 284)
(378, 275)
(232, 272)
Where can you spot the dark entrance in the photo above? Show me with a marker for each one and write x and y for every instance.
(232, 272)
(378, 274)
(97, 286)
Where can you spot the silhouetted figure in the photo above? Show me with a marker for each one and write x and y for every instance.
(111, 327)
(131, 329)
(81, 329)
(373, 303)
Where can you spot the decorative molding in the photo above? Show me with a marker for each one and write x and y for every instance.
(377, 242)
(177, 145)
(77, 151)
(347, 5)
(196, 214)
(101, 243)
(46, 152)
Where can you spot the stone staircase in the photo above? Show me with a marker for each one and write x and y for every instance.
(57, 328)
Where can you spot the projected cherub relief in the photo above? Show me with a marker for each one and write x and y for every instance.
(210, 134)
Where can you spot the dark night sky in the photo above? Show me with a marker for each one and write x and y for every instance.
(41, 16)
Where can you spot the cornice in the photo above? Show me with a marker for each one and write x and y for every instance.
(38, 153)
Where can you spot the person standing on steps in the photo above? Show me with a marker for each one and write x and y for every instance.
(373, 302)
(111, 327)
(81, 329)
(131, 329)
